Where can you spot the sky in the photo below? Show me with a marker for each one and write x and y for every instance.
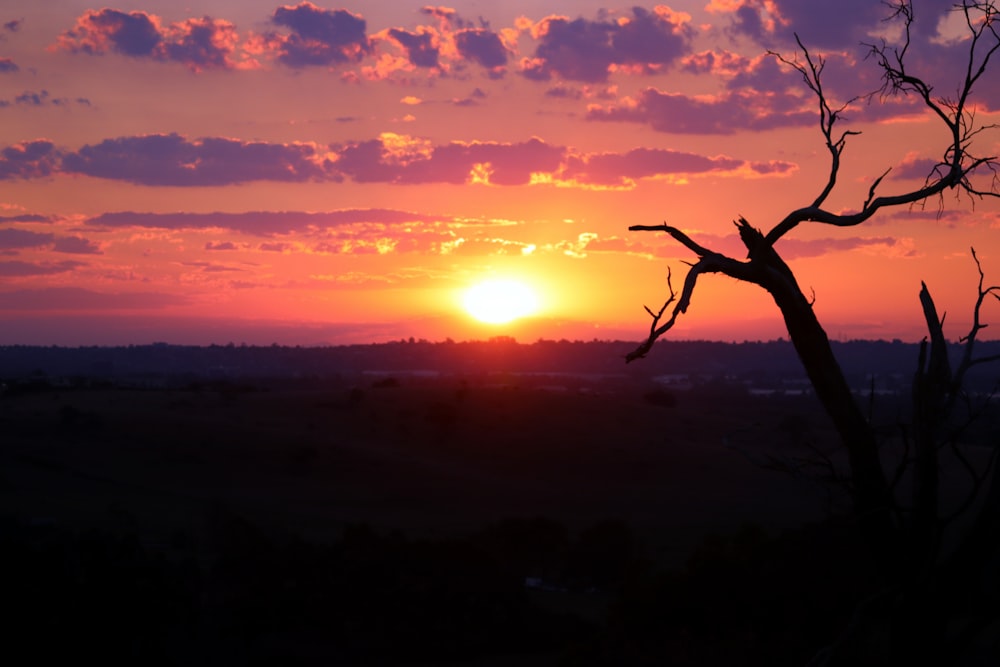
(306, 174)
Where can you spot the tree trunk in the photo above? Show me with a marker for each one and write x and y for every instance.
(871, 495)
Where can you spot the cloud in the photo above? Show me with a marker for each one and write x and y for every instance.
(726, 113)
(42, 98)
(25, 217)
(826, 25)
(842, 29)
(789, 248)
(482, 46)
(198, 43)
(8, 65)
(76, 298)
(19, 269)
(76, 245)
(399, 159)
(583, 50)
(619, 168)
(773, 167)
(172, 160)
(421, 47)
(262, 223)
(13, 26)
(221, 245)
(319, 37)
(98, 32)
(275, 247)
(203, 43)
(16, 239)
(30, 159)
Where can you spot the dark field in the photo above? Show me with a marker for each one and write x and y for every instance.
(417, 521)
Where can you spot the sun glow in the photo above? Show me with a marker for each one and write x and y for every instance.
(499, 301)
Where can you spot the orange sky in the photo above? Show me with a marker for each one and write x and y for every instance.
(224, 171)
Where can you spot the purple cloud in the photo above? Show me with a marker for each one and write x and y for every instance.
(18, 269)
(25, 217)
(29, 98)
(617, 168)
(847, 26)
(202, 43)
(319, 36)
(8, 65)
(419, 46)
(508, 164)
(262, 223)
(582, 50)
(725, 114)
(31, 159)
(833, 25)
(199, 44)
(172, 160)
(97, 32)
(221, 245)
(11, 239)
(790, 248)
(13, 26)
(76, 245)
(481, 46)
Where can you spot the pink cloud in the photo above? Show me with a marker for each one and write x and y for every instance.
(261, 223)
(170, 159)
(726, 113)
(18, 269)
(76, 245)
(584, 50)
(421, 47)
(30, 159)
(198, 43)
(318, 37)
(615, 168)
(16, 239)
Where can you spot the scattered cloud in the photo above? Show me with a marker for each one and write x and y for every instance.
(29, 159)
(588, 51)
(317, 37)
(19, 269)
(172, 160)
(726, 113)
(42, 98)
(790, 248)
(221, 245)
(639, 163)
(198, 43)
(76, 245)
(261, 223)
(16, 239)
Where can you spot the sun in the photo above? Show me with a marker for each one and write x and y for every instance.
(499, 301)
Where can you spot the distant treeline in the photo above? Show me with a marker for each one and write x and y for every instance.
(498, 355)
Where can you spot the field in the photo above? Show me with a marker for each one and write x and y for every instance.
(533, 502)
(426, 458)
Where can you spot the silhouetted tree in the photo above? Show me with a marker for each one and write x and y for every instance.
(921, 594)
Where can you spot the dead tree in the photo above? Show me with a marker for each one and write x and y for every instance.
(904, 545)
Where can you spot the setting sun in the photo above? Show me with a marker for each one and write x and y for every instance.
(499, 301)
